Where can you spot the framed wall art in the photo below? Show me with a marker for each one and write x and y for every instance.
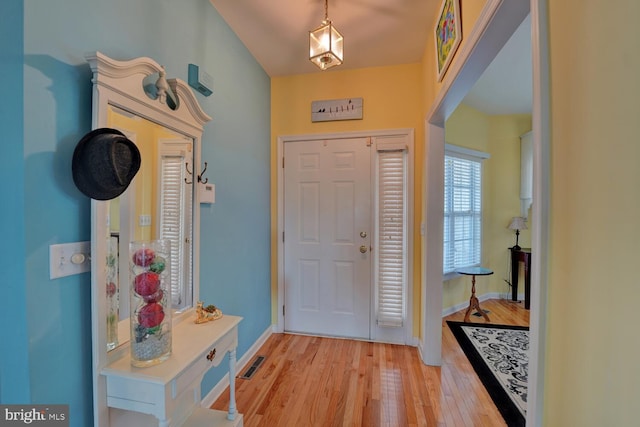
(448, 34)
(336, 109)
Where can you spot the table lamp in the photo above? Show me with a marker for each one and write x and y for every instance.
(517, 223)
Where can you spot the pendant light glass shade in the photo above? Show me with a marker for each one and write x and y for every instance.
(326, 44)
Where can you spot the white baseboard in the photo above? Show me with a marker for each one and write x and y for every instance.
(413, 342)
(493, 295)
(420, 346)
(222, 385)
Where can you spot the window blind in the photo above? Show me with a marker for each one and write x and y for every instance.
(462, 212)
(391, 247)
(172, 224)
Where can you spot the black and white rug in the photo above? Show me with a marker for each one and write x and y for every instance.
(500, 356)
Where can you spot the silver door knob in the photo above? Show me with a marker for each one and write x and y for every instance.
(363, 249)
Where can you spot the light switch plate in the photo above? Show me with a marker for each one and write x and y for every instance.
(66, 259)
(144, 220)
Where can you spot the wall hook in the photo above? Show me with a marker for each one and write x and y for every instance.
(200, 177)
(186, 166)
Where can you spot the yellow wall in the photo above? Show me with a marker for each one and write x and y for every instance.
(468, 128)
(500, 137)
(393, 98)
(470, 11)
(145, 182)
(593, 374)
(503, 180)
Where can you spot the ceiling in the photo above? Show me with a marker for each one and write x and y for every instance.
(506, 85)
(376, 33)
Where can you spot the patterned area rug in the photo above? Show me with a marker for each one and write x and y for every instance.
(500, 356)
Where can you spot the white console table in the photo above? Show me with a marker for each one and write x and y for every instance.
(168, 394)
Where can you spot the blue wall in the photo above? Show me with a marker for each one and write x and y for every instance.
(14, 365)
(52, 317)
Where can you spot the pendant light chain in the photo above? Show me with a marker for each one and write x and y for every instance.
(326, 10)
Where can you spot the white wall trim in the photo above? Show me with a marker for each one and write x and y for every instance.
(432, 246)
(467, 152)
(339, 135)
(280, 246)
(541, 122)
(248, 356)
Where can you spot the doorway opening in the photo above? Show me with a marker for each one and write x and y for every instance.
(495, 25)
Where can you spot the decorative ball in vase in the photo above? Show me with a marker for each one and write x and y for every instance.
(150, 302)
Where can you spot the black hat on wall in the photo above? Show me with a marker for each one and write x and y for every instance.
(104, 163)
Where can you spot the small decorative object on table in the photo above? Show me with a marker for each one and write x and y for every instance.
(150, 302)
(208, 313)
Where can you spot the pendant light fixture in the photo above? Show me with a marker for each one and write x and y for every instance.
(325, 43)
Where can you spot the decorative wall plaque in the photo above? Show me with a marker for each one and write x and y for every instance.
(336, 109)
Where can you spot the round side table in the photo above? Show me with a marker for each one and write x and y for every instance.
(474, 304)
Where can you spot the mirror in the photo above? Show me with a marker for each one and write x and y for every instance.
(156, 205)
(161, 202)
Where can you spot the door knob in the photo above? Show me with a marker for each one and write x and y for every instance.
(363, 234)
(363, 249)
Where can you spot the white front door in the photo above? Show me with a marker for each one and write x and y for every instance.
(327, 237)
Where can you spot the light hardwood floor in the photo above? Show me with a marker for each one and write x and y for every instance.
(313, 381)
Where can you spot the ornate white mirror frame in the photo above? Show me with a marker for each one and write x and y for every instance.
(119, 84)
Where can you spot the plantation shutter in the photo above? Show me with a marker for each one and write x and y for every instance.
(175, 197)
(462, 211)
(391, 240)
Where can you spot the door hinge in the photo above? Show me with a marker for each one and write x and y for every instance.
(368, 141)
(283, 311)
(283, 163)
(283, 237)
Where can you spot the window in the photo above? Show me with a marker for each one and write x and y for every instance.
(391, 263)
(175, 201)
(462, 207)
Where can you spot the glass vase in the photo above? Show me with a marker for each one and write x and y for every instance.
(150, 302)
(113, 293)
